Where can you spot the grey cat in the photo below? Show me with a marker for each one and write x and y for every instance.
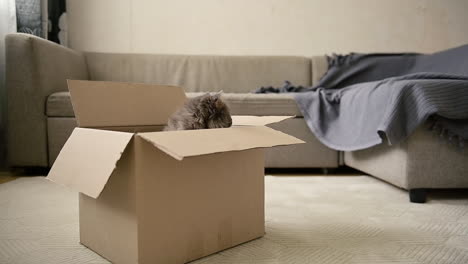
(202, 112)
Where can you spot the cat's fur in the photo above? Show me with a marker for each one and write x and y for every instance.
(202, 112)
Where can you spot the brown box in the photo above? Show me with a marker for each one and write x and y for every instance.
(161, 197)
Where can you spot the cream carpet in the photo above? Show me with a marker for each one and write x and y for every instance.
(329, 219)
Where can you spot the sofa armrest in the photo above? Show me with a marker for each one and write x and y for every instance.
(35, 68)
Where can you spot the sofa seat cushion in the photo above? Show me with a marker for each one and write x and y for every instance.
(59, 104)
(259, 104)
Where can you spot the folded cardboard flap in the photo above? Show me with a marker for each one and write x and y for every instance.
(187, 143)
(88, 159)
(109, 104)
(257, 120)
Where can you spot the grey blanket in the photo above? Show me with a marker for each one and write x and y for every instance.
(365, 98)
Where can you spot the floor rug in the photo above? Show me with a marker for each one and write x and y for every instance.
(317, 219)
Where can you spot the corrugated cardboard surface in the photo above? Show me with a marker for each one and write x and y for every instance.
(187, 143)
(108, 224)
(88, 158)
(134, 129)
(257, 120)
(106, 104)
(191, 208)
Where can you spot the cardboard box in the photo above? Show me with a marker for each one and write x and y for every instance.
(161, 197)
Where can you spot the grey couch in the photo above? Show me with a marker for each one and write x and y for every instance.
(40, 115)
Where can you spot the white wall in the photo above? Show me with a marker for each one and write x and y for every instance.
(266, 27)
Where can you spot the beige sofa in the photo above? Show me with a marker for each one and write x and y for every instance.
(40, 115)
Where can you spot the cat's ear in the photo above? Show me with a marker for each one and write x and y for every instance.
(219, 104)
(217, 95)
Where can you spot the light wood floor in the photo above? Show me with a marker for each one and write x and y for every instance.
(6, 176)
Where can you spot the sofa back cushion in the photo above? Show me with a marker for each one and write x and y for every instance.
(200, 73)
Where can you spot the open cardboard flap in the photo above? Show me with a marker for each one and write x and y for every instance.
(257, 120)
(187, 143)
(88, 159)
(109, 104)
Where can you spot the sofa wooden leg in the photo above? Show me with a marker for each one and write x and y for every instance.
(417, 195)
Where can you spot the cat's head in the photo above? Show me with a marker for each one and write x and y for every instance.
(215, 111)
